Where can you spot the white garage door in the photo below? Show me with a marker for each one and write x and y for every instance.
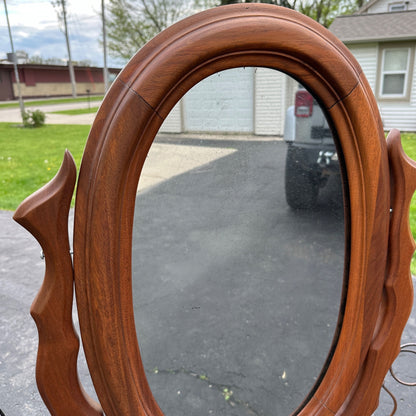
(222, 102)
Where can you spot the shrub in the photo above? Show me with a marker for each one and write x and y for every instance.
(34, 118)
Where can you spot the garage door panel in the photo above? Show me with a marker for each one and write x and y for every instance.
(222, 102)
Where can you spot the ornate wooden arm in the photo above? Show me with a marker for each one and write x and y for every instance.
(45, 215)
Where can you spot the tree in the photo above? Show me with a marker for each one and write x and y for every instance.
(60, 7)
(131, 24)
(323, 11)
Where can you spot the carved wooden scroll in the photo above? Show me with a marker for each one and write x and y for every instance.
(378, 297)
(45, 215)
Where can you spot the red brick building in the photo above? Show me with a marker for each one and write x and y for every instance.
(51, 80)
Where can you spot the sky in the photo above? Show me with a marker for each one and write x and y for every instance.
(36, 30)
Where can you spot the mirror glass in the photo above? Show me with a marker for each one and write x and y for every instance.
(238, 248)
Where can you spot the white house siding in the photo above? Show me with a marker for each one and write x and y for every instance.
(366, 55)
(383, 6)
(400, 115)
(222, 102)
(394, 116)
(273, 95)
(291, 88)
(173, 122)
(379, 7)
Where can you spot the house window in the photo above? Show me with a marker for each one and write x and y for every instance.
(395, 72)
(398, 7)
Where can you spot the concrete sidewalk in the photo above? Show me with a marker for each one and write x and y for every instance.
(12, 115)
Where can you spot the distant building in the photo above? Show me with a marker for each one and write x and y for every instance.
(382, 37)
(50, 80)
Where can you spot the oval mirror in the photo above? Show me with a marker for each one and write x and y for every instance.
(126, 124)
(238, 248)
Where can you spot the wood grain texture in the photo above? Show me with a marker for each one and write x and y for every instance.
(376, 299)
(126, 124)
(45, 215)
(397, 299)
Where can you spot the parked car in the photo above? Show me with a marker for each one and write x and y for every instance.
(311, 155)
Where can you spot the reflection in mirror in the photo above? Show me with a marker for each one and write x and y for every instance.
(238, 248)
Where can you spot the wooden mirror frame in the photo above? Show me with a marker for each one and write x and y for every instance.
(378, 295)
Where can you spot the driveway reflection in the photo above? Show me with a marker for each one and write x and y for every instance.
(236, 295)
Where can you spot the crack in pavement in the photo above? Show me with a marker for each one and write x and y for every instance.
(226, 390)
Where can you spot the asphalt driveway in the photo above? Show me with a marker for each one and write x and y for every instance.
(236, 296)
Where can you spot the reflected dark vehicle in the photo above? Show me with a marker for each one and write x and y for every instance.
(311, 155)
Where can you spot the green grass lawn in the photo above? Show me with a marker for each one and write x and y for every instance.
(409, 146)
(29, 158)
(77, 111)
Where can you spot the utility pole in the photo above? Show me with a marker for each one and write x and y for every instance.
(105, 69)
(16, 72)
(71, 68)
(62, 16)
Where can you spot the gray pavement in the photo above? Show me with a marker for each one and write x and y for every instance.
(236, 296)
